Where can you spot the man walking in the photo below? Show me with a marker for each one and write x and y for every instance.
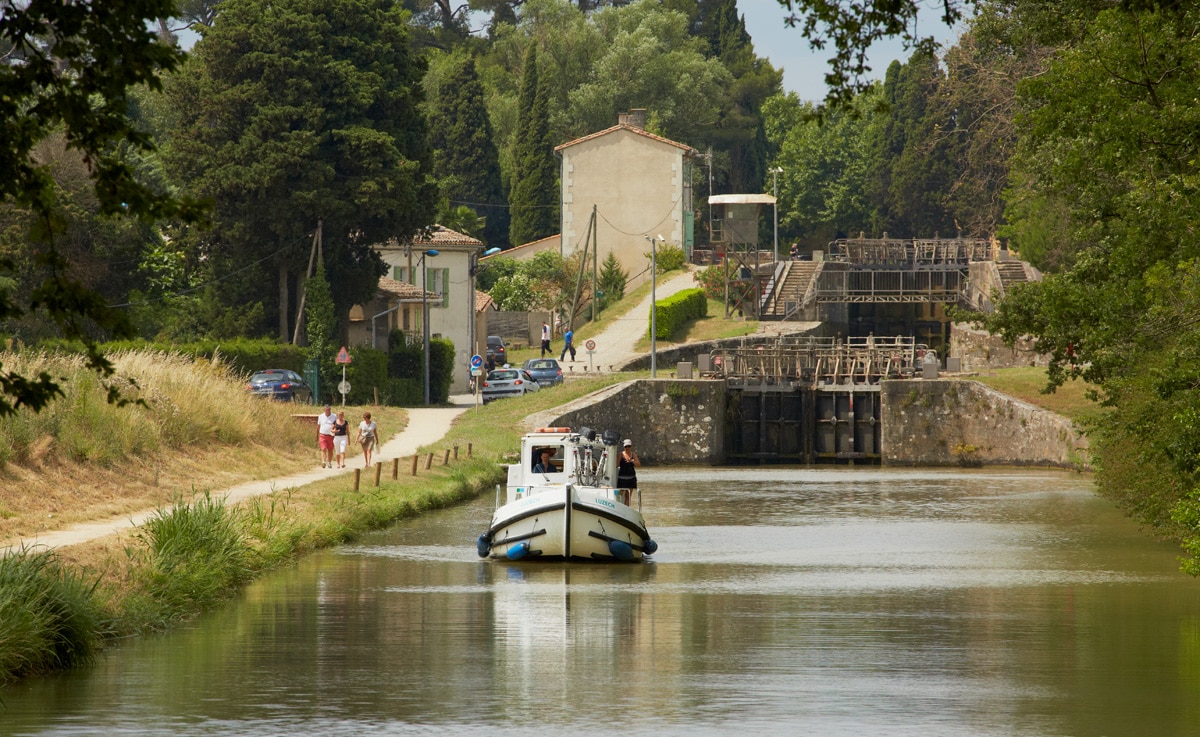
(325, 422)
(546, 340)
(568, 345)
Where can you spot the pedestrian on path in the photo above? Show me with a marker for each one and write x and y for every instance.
(546, 340)
(568, 345)
(367, 434)
(325, 422)
(341, 437)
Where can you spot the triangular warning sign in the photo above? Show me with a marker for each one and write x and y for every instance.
(343, 356)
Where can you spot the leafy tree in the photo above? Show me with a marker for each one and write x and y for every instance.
(495, 268)
(739, 133)
(853, 27)
(68, 69)
(534, 199)
(516, 293)
(464, 154)
(297, 113)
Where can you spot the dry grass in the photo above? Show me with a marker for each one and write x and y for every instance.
(83, 459)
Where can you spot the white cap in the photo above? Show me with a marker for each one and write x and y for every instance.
(627, 443)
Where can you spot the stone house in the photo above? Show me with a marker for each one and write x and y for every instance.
(640, 186)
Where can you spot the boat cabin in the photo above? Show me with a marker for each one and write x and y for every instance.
(557, 456)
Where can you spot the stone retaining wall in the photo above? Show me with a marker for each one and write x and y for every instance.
(924, 423)
(669, 421)
(946, 422)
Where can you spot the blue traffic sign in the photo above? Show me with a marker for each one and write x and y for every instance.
(476, 361)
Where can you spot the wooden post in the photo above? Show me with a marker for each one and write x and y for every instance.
(469, 449)
(378, 470)
(456, 452)
(357, 471)
(429, 462)
(446, 458)
(415, 459)
(395, 468)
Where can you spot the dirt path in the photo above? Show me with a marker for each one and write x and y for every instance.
(425, 425)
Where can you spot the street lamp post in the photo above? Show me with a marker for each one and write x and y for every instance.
(654, 306)
(473, 339)
(775, 193)
(425, 316)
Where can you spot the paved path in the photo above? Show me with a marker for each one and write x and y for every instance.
(425, 426)
(615, 346)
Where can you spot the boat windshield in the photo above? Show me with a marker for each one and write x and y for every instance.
(547, 459)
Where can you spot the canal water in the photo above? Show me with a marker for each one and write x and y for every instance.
(781, 601)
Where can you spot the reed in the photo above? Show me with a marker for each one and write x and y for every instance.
(50, 617)
(195, 554)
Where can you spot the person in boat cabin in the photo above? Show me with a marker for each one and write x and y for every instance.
(627, 464)
(545, 462)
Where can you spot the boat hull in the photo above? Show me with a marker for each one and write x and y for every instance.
(567, 522)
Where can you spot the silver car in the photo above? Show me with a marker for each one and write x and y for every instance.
(508, 382)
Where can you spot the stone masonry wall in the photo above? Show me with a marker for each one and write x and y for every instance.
(669, 421)
(979, 350)
(946, 422)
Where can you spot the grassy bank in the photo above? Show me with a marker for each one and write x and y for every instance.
(1026, 383)
(197, 551)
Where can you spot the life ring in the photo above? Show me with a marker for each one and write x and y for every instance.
(553, 429)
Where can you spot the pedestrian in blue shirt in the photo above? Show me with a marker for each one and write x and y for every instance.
(568, 345)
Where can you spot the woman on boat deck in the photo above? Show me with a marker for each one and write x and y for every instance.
(545, 464)
(627, 464)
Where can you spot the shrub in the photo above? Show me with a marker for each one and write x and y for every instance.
(674, 311)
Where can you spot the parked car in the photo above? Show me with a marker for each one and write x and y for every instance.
(545, 371)
(496, 350)
(509, 382)
(281, 384)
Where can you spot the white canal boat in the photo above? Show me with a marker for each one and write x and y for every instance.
(573, 510)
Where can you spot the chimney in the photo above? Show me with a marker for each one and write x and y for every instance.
(635, 118)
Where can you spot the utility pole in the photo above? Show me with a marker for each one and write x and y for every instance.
(312, 254)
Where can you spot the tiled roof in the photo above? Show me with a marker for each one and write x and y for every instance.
(440, 236)
(483, 301)
(632, 129)
(405, 291)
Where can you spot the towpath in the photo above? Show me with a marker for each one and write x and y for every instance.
(615, 346)
(426, 425)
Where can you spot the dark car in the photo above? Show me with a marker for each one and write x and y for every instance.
(545, 371)
(509, 382)
(281, 384)
(496, 350)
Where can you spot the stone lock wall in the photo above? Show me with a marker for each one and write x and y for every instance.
(669, 421)
(947, 422)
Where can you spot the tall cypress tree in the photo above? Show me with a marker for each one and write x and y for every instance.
(464, 155)
(534, 201)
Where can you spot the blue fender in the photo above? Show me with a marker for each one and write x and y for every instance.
(517, 551)
(649, 547)
(620, 550)
(484, 545)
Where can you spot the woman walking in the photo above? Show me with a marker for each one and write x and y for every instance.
(341, 437)
(367, 433)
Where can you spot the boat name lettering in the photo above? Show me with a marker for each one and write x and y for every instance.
(605, 503)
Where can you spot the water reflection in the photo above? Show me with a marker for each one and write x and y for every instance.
(782, 601)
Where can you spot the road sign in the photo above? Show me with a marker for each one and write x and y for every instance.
(476, 361)
(590, 344)
(343, 356)
(343, 387)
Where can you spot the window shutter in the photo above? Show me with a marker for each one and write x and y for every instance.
(445, 287)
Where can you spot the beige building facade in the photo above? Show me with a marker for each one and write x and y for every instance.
(639, 186)
(454, 305)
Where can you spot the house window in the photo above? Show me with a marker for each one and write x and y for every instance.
(438, 281)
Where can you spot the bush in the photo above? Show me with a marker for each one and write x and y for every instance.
(675, 311)
(367, 372)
